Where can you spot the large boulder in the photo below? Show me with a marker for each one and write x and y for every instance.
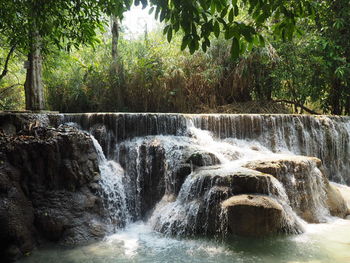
(335, 201)
(253, 215)
(45, 193)
(309, 192)
(198, 209)
(338, 199)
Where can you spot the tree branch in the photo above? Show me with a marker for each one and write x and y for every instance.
(5, 70)
(298, 105)
(4, 90)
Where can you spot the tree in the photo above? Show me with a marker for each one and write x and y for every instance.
(35, 25)
(333, 25)
(115, 66)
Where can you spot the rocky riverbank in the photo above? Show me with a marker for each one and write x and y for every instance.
(47, 193)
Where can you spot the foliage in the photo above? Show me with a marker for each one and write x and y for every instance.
(60, 22)
(155, 76)
(333, 25)
(199, 20)
(11, 78)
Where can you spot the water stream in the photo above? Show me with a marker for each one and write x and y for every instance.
(321, 243)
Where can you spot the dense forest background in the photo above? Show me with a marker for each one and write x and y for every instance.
(308, 73)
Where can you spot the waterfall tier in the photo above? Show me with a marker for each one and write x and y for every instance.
(191, 174)
(324, 137)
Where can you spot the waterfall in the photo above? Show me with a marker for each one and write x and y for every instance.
(176, 170)
(324, 137)
(112, 188)
(196, 209)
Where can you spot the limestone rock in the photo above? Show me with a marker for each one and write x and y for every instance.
(199, 159)
(239, 180)
(198, 207)
(180, 175)
(304, 182)
(44, 194)
(16, 215)
(253, 215)
(339, 199)
(144, 162)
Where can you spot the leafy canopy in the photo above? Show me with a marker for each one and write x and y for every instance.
(60, 22)
(201, 19)
(73, 22)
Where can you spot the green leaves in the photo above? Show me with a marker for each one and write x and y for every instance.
(65, 24)
(185, 41)
(62, 22)
(230, 16)
(216, 29)
(169, 34)
(235, 49)
(200, 19)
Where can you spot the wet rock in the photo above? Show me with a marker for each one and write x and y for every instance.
(97, 229)
(144, 163)
(253, 215)
(335, 202)
(151, 177)
(198, 210)
(344, 192)
(44, 194)
(180, 175)
(11, 253)
(239, 180)
(305, 184)
(50, 225)
(95, 187)
(199, 159)
(8, 129)
(16, 215)
(105, 137)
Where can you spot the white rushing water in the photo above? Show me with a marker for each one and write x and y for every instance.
(112, 188)
(151, 162)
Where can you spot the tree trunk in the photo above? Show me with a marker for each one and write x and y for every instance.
(34, 89)
(335, 97)
(347, 105)
(116, 73)
(115, 39)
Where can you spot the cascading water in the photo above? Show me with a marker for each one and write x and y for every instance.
(158, 177)
(192, 213)
(112, 188)
(325, 137)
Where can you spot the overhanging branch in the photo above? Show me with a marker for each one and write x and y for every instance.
(298, 105)
(4, 90)
(5, 70)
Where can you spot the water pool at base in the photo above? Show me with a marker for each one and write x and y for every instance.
(320, 243)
